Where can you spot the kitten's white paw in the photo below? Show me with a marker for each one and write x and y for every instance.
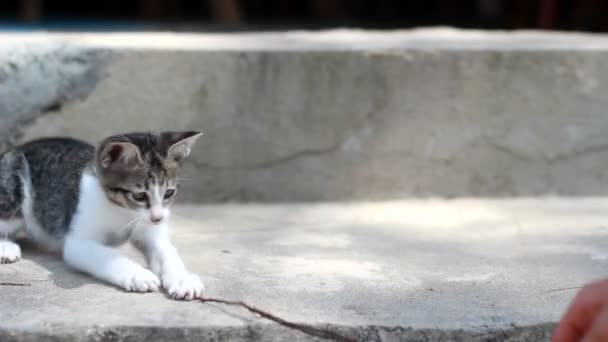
(183, 285)
(9, 252)
(139, 279)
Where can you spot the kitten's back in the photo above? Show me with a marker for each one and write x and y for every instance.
(55, 168)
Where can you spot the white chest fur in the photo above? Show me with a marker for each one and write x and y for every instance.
(99, 219)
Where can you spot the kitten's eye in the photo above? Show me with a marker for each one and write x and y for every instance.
(139, 196)
(169, 193)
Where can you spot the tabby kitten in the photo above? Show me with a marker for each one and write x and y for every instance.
(83, 201)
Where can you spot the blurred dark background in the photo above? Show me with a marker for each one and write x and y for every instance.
(193, 15)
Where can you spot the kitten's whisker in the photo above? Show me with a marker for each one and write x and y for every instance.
(180, 216)
(136, 220)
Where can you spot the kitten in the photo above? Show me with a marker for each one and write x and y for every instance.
(83, 201)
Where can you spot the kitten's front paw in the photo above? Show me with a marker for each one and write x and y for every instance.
(140, 279)
(9, 252)
(183, 285)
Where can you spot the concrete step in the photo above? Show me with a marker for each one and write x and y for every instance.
(334, 115)
(424, 270)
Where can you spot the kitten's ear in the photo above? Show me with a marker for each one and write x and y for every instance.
(178, 144)
(124, 153)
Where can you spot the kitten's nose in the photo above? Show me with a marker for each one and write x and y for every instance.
(156, 218)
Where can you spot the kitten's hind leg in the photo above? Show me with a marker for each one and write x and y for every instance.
(11, 196)
(9, 251)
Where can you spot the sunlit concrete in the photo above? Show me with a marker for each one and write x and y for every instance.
(478, 265)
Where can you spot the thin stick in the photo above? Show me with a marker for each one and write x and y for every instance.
(14, 284)
(305, 328)
(563, 289)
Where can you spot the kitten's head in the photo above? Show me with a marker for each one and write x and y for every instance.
(139, 171)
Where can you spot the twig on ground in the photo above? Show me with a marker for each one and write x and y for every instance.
(305, 328)
(563, 289)
(14, 284)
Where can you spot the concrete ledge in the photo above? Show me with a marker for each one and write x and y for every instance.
(339, 115)
(430, 270)
(255, 333)
(348, 40)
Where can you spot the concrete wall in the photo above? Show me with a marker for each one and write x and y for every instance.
(331, 116)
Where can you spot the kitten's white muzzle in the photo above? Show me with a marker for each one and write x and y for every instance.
(156, 219)
(157, 215)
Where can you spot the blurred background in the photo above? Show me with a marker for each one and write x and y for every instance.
(193, 15)
(326, 115)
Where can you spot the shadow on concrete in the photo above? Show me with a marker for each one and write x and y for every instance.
(59, 273)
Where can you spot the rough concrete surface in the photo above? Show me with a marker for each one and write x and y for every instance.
(333, 115)
(40, 79)
(425, 270)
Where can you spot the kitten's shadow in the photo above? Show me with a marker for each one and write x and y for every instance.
(59, 273)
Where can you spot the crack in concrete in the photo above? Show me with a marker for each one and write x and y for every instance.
(578, 153)
(558, 158)
(306, 153)
(378, 104)
(508, 151)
